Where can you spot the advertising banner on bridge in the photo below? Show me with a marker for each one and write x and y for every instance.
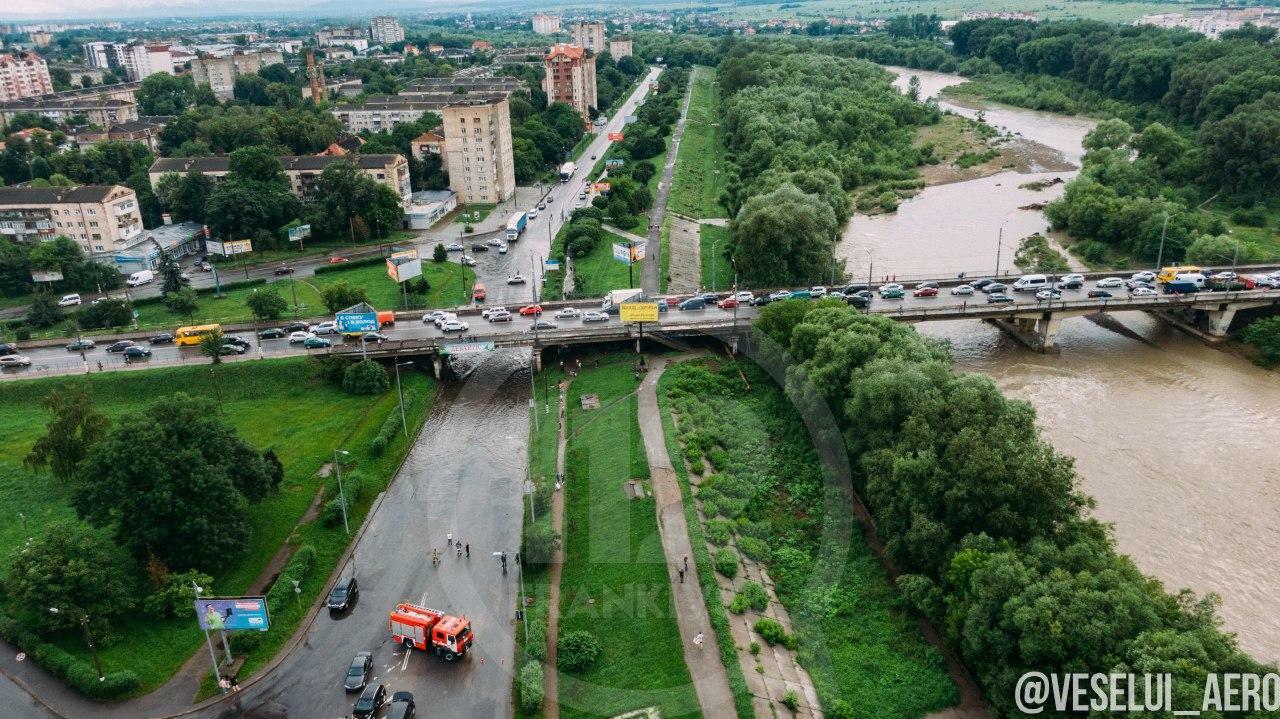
(638, 311)
(464, 348)
(233, 613)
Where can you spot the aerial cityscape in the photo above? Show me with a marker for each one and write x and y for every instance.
(806, 358)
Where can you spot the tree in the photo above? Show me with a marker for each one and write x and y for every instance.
(239, 208)
(266, 303)
(74, 428)
(184, 505)
(259, 163)
(164, 94)
(1108, 134)
(1264, 334)
(185, 196)
(784, 238)
(365, 377)
(439, 254)
(342, 294)
(108, 312)
(184, 302)
(211, 346)
(74, 569)
(252, 89)
(170, 272)
(44, 311)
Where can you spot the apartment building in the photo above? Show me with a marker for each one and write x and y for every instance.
(100, 218)
(102, 111)
(25, 74)
(383, 112)
(428, 143)
(571, 77)
(620, 47)
(220, 73)
(589, 35)
(340, 36)
(144, 130)
(546, 24)
(302, 170)
(138, 59)
(478, 149)
(385, 30)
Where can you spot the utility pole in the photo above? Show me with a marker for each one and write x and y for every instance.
(403, 422)
(213, 656)
(342, 495)
(1160, 254)
(999, 243)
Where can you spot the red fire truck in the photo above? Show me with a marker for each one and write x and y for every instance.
(422, 628)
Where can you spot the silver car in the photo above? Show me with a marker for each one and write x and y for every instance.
(595, 317)
(15, 361)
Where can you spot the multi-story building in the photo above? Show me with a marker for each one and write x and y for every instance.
(345, 85)
(428, 143)
(302, 170)
(144, 130)
(546, 24)
(80, 72)
(589, 35)
(99, 218)
(428, 87)
(571, 77)
(220, 73)
(138, 59)
(23, 75)
(620, 47)
(102, 111)
(385, 30)
(478, 149)
(383, 112)
(339, 36)
(41, 38)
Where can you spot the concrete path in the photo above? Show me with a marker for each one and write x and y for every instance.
(684, 266)
(624, 234)
(710, 681)
(551, 685)
(650, 274)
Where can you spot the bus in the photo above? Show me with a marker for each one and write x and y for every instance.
(193, 335)
(1169, 274)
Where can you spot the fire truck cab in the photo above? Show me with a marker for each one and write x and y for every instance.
(431, 629)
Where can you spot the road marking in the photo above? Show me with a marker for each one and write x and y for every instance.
(405, 664)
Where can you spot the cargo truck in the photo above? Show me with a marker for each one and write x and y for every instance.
(616, 297)
(516, 225)
(566, 171)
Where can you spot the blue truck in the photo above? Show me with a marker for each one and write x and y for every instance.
(516, 225)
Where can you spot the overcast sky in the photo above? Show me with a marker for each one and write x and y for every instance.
(121, 9)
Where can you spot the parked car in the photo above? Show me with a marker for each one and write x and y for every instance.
(531, 310)
(817, 291)
(962, 290)
(79, 345)
(359, 671)
(779, 295)
(343, 595)
(595, 317)
(374, 337)
(454, 247)
(479, 247)
(1099, 294)
(743, 296)
(503, 316)
(297, 327)
(119, 346)
(1142, 292)
(164, 338)
(314, 342)
(137, 352)
(370, 701)
(299, 336)
(1071, 282)
(69, 300)
(230, 349)
(727, 303)
(1109, 282)
(272, 333)
(925, 292)
(891, 287)
(282, 270)
(693, 303)
(999, 298)
(565, 313)
(15, 361)
(401, 706)
(467, 261)
(454, 325)
(325, 328)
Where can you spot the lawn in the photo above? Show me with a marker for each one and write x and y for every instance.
(597, 273)
(273, 404)
(615, 582)
(473, 213)
(698, 180)
(1266, 238)
(717, 271)
(664, 241)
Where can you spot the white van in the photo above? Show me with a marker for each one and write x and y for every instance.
(1193, 277)
(1030, 283)
(140, 277)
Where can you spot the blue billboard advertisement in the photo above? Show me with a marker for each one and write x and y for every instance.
(233, 613)
(357, 321)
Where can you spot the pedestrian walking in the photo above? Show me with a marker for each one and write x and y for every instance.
(681, 571)
(468, 549)
(223, 684)
(699, 639)
(686, 563)
(597, 361)
(449, 539)
(235, 683)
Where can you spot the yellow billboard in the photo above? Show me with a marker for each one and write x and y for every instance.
(638, 311)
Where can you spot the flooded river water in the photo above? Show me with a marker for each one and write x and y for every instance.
(1174, 438)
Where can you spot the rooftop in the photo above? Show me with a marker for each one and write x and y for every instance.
(56, 195)
(288, 162)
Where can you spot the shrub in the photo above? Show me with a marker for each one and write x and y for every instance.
(439, 254)
(540, 544)
(791, 699)
(576, 651)
(755, 549)
(531, 681)
(754, 649)
(537, 646)
(175, 597)
(365, 377)
(710, 509)
(377, 446)
(329, 368)
(771, 631)
(22, 334)
(344, 266)
(719, 458)
(754, 596)
(727, 562)
(1255, 216)
(719, 531)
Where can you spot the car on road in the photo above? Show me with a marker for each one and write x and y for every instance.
(542, 205)
(137, 352)
(401, 706)
(761, 301)
(230, 349)
(503, 316)
(434, 315)
(856, 287)
(69, 300)
(577, 205)
(926, 285)
(454, 247)
(582, 195)
(516, 279)
(1071, 282)
(359, 671)
(1099, 294)
(314, 342)
(297, 327)
(467, 261)
(1142, 292)
(479, 247)
(1147, 276)
(493, 242)
(1270, 281)
(1109, 282)
(8, 348)
(1048, 294)
(962, 290)
(272, 333)
(299, 336)
(1135, 284)
(502, 249)
(817, 291)
(282, 270)
(925, 292)
(980, 284)
(337, 260)
(325, 328)
(533, 213)
(375, 337)
(861, 300)
(15, 361)
(370, 701)
(595, 317)
(744, 297)
(693, 303)
(893, 293)
(119, 346)
(565, 313)
(543, 325)
(999, 298)
(444, 317)
(343, 595)
(727, 303)
(530, 310)
(995, 288)
(779, 295)
(891, 287)
(490, 310)
(164, 338)
(237, 341)
(204, 266)
(454, 325)
(79, 345)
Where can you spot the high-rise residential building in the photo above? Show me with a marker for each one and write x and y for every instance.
(220, 73)
(340, 36)
(385, 30)
(139, 60)
(98, 54)
(41, 38)
(620, 47)
(100, 218)
(478, 149)
(23, 75)
(589, 35)
(546, 24)
(570, 77)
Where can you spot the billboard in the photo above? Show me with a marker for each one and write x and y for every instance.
(615, 162)
(357, 321)
(629, 252)
(551, 265)
(615, 137)
(629, 119)
(638, 311)
(299, 233)
(403, 271)
(228, 248)
(214, 247)
(46, 275)
(233, 613)
(600, 186)
(464, 348)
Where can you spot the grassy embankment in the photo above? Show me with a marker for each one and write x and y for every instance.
(699, 181)
(763, 495)
(473, 213)
(598, 272)
(718, 272)
(273, 405)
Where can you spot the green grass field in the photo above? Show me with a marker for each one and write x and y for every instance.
(698, 180)
(717, 274)
(615, 581)
(473, 213)
(598, 272)
(947, 9)
(273, 404)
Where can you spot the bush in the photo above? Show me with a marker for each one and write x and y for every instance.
(719, 531)
(1091, 251)
(719, 459)
(440, 254)
(365, 377)
(531, 681)
(175, 597)
(576, 651)
(22, 334)
(754, 596)
(772, 632)
(343, 266)
(352, 483)
(540, 544)
(727, 562)
(754, 649)
(791, 699)
(755, 549)
(1255, 216)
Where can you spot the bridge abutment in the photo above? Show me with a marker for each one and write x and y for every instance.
(1037, 333)
(437, 365)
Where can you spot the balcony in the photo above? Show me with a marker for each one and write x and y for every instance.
(125, 209)
(130, 232)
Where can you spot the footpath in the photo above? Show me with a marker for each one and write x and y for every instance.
(551, 685)
(651, 270)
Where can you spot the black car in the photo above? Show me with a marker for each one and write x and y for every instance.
(761, 301)
(272, 333)
(479, 247)
(358, 672)
(230, 349)
(8, 348)
(370, 701)
(851, 289)
(980, 284)
(992, 288)
(343, 595)
(137, 352)
(283, 270)
(1099, 294)
(120, 346)
(375, 337)
(297, 327)
(401, 706)
(860, 300)
(163, 338)
(237, 341)
(543, 325)
(997, 298)
(1071, 285)
(79, 345)
(922, 285)
(710, 298)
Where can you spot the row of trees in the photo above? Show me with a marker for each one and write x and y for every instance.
(18, 259)
(983, 516)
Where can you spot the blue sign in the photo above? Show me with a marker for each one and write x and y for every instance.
(357, 321)
(232, 614)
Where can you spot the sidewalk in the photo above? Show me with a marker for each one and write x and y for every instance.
(650, 273)
(710, 680)
(551, 686)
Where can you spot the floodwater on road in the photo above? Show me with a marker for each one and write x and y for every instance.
(1173, 438)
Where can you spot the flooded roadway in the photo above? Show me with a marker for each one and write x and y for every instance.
(1174, 438)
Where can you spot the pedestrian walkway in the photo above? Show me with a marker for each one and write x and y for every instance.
(551, 685)
(624, 234)
(650, 275)
(710, 681)
(684, 265)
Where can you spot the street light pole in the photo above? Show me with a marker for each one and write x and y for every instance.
(403, 422)
(999, 244)
(88, 639)
(342, 495)
(1160, 254)
(208, 640)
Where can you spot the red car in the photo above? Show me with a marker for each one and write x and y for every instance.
(531, 310)
(926, 292)
(727, 303)
(337, 260)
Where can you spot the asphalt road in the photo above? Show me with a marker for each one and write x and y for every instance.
(464, 475)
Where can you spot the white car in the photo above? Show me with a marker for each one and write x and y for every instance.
(468, 261)
(297, 337)
(1142, 292)
(501, 316)
(962, 290)
(326, 328)
(1272, 281)
(533, 214)
(493, 242)
(454, 247)
(502, 249)
(491, 310)
(568, 313)
(69, 300)
(453, 325)
(446, 317)
(1144, 276)
(15, 361)
(891, 286)
(816, 292)
(1071, 279)
(595, 317)
(433, 316)
(743, 296)
(516, 279)
(1106, 282)
(577, 205)
(779, 295)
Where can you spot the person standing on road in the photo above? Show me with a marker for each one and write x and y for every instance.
(681, 571)
(449, 540)
(698, 639)
(468, 549)
(686, 563)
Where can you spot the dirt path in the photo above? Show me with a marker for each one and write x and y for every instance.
(551, 685)
(684, 267)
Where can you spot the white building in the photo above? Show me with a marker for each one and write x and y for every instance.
(546, 24)
(427, 207)
(340, 36)
(385, 30)
(23, 75)
(589, 35)
(139, 60)
(478, 152)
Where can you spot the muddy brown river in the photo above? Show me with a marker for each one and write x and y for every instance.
(1175, 439)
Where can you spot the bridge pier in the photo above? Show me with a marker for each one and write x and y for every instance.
(1220, 321)
(437, 365)
(1038, 333)
(537, 360)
